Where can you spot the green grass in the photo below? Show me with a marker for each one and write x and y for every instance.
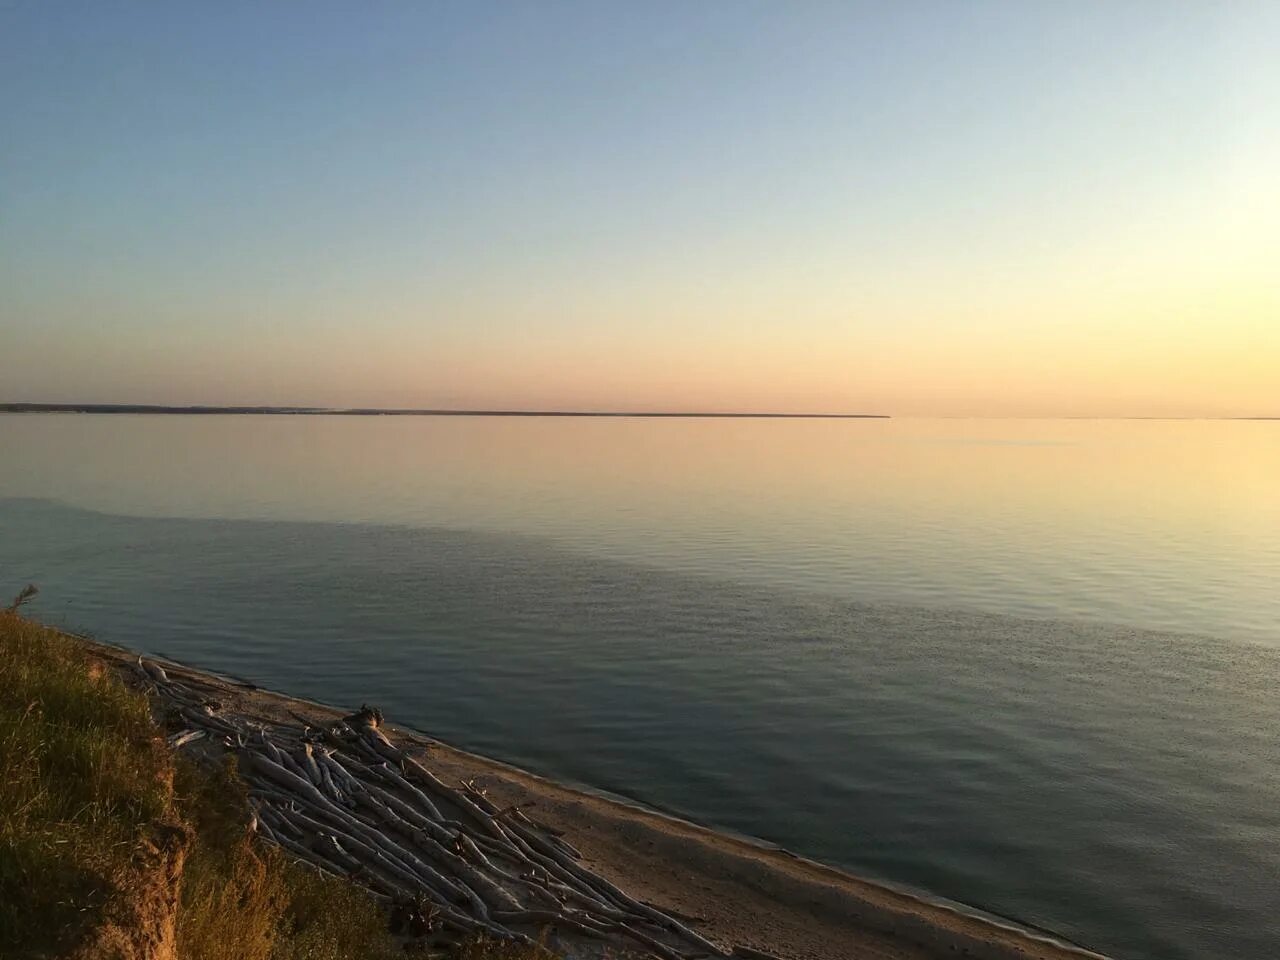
(86, 777)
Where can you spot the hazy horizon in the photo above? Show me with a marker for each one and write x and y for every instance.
(640, 413)
(925, 209)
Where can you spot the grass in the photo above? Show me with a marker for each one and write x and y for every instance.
(82, 776)
(244, 901)
(86, 778)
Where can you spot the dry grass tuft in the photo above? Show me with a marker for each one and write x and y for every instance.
(244, 901)
(82, 775)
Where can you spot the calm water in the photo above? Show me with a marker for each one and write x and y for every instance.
(1031, 666)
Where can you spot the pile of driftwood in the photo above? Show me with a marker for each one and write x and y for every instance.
(347, 800)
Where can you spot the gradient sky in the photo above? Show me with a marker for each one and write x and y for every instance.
(945, 208)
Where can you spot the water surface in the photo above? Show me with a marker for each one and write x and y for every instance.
(1025, 665)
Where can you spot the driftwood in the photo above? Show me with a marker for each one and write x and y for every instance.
(183, 737)
(349, 802)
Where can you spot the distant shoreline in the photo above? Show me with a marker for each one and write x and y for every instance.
(378, 412)
(144, 408)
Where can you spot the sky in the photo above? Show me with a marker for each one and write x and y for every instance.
(915, 208)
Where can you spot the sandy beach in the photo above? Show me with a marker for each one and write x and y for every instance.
(763, 900)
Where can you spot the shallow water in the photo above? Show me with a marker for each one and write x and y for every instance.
(1025, 665)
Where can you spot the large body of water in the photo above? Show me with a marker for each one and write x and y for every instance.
(1032, 666)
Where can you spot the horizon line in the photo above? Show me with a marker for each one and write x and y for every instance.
(262, 409)
(252, 410)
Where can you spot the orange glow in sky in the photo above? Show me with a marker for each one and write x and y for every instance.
(990, 209)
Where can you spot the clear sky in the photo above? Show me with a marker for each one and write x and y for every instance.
(1020, 208)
